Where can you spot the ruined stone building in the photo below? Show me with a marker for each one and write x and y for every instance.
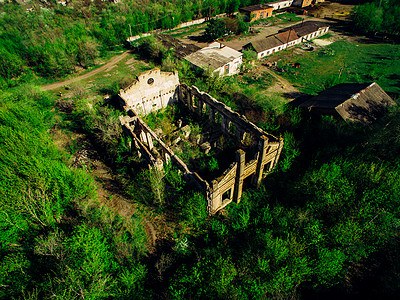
(154, 90)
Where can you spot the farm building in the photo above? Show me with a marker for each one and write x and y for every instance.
(309, 29)
(218, 58)
(302, 3)
(255, 12)
(274, 43)
(281, 4)
(354, 102)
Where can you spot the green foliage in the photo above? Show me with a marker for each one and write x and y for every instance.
(151, 49)
(213, 165)
(215, 29)
(377, 16)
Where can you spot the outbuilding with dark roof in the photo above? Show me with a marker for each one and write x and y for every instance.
(309, 29)
(258, 11)
(355, 102)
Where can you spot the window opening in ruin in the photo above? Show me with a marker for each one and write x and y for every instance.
(218, 118)
(150, 81)
(232, 128)
(227, 195)
(267, 167)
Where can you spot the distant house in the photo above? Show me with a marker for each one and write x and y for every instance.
(280, 4)
(258, 11)
(274, 43)
(309, 29)
(302, 3)
(354, 102)
(218, 58)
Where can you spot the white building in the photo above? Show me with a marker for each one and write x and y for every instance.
(274, 43)
(288, 37)
(309, 29)
(218, 58)
(280, 4)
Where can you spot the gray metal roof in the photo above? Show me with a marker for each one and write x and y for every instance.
(213, 56)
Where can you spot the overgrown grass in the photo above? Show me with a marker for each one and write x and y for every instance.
(346, 62)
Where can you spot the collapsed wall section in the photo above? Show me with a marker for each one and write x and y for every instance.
(262, 159)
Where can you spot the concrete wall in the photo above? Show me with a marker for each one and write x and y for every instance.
(315, 34)
(190, 23)
(151, 91)
(231, 68)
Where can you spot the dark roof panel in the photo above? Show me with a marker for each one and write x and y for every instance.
(357, 102)
(256, 7)
(268, 43)
(306, 28)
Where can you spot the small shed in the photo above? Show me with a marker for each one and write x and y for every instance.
(218, 58)
(258, 11)
(354, 102)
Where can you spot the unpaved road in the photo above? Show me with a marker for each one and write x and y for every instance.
(113, 61)
(282, 85)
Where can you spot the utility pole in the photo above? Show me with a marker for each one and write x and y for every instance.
(130, 29)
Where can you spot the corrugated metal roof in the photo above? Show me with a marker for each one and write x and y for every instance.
(267, 43)
(256, 7)
(306, 28)
(358, 102)
(287, 36)
(213, 56)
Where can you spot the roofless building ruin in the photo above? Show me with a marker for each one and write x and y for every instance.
(252, 160)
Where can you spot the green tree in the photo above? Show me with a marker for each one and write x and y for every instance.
(215, 29)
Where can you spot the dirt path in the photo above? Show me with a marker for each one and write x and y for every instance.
(113, 61)
(282, 86)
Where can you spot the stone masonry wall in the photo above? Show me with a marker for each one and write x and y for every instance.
(228, 187)
(151, 91)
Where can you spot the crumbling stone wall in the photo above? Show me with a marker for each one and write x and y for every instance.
(259, 160)
(228, 187)
(151, 91)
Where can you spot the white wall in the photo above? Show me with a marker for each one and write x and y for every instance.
(281, 4)
(144, 97)
(315, 34)
(270, 51)
(234, 67)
